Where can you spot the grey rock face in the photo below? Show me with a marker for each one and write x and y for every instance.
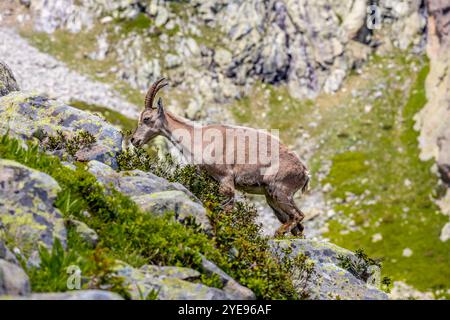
(329, 281)
(24, 114)
(440, 10)
(230, 285)
(13, 280)
(6, 254)
(173, 201)
(168, 283)
(7, 81)
(152, 193)
(86, 233)
(27, 214)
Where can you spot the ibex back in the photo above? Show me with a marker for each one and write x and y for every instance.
(219, 150)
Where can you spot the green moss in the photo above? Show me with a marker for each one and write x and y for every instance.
(347, 168)
(139, 24)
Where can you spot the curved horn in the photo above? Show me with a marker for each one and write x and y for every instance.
(152, 91)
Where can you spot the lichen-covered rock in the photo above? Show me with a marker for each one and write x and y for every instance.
(132, 183)
(172, 272)
(174, 201)
(329, 280)
(320, 251)
(152, 193)
(86, 233)
(168, 283)
(27, 215)
(230, 285)
(29, 116)
(7, 81)
(13, 280)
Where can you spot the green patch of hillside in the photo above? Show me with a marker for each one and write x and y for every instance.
(379, 185)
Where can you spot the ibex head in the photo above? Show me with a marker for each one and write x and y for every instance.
(152, 118)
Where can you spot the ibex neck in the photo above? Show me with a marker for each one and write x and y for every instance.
(175, 122)
(180, 131)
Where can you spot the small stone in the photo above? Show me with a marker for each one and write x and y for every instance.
(223, 57)
(377, 237)
(162, 17)
(445, 233)
(106, 20)
(407, 183)
(172, 61)
(407, 252)
(327, 188)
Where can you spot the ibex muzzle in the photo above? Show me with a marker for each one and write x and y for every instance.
(278, 180)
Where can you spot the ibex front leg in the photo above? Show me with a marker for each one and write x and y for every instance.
(288, 214)
(228, 190)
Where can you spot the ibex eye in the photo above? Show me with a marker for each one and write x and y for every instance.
(147, 120)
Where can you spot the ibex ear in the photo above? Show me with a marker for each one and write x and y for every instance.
(160, 107)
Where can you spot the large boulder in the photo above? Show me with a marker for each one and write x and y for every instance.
(29, 116)
(152, 193)
(28, 218)
(167, 283)
(329, 279)
(7, 81)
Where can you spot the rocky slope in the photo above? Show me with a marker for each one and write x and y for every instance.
(218, 50)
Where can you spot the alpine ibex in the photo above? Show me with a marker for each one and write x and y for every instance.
(278, 180)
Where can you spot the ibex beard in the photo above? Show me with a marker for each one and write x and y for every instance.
(241, 158)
